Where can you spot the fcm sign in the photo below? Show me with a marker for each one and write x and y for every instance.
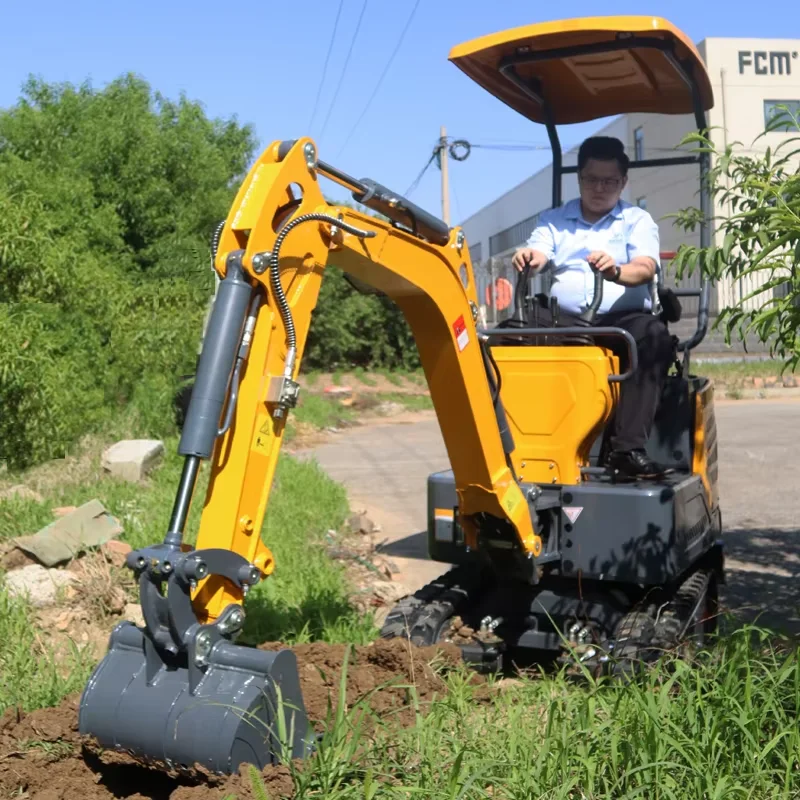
(761, 62)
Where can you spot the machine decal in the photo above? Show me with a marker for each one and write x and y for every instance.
(261, 437)
(460, 329)
(572, 512)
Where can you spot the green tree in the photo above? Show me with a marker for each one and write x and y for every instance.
(107, 202)
(351, 328)
(758, 234)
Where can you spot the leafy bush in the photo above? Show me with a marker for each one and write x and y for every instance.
(107, 202)
(350, 329)
(760, 236)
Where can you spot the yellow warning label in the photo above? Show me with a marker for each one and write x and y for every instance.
(262, 441)
(510, 501)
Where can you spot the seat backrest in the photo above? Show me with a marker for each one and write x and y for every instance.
(557, 400)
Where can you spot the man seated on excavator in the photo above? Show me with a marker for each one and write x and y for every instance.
(601, 232)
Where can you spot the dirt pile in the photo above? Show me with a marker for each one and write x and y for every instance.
(380, 677)
(43, 757)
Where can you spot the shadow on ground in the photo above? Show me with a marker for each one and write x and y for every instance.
(762, 570)
(413, 546)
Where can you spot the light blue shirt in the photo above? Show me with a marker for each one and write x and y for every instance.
(626, 232)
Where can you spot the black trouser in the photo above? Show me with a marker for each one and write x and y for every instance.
(639, 394)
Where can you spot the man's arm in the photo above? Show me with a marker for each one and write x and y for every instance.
(538, 250)
(636, 272)
(643, 255)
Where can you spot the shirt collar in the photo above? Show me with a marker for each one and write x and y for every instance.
(572, 210)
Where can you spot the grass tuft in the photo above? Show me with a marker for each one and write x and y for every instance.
(722, 727)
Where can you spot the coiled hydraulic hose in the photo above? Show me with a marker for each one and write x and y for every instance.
(280, 296)
(215, 240)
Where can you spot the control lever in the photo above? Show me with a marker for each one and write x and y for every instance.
(589, 315)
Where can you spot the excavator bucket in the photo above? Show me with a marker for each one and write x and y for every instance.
(179, 690)
(217, 705)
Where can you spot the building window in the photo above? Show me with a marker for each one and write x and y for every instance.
(476, 253)
(642, 202)
(638, 144)
(777, 109)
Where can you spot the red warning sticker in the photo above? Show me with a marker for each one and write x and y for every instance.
(460, 330)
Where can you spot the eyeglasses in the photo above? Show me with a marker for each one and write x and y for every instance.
(605, 183)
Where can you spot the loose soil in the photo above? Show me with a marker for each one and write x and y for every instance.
(43, 757)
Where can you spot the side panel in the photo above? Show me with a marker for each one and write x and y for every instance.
(706, 460)
(631, 533)
(557, 400)
(639, 533)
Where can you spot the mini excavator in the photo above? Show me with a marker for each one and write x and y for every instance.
(548, 553)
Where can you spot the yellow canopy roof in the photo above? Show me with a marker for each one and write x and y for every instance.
(568, 63)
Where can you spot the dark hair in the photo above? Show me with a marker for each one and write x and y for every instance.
(603, 148)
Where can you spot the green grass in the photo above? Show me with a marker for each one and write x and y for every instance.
(305, 599)
(29, 675)
(412, 402)
(318, 411)
(737, 371)
(361, 375)
(724, 727)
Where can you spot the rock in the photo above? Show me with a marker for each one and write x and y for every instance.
(63, 511)
(12, 557)
(789, 382)
(22, 492)
(133, 613)
(132, 459)
(116, 551)
(88, 526)
(386, 566)
(38, 583)
(361, 523)
(388, 592)
(390, 408)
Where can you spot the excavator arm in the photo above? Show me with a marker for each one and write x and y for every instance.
(179, 690)
(283, 255)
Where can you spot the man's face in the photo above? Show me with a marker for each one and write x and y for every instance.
(601, 184)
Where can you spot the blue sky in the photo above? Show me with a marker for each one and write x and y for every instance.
(263, 62)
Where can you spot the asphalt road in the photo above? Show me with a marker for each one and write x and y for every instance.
(385, 468)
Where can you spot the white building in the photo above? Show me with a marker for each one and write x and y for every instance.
(750, 78)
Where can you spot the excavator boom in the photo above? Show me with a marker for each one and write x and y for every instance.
(159, 689)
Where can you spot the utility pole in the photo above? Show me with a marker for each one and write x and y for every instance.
(443, 165)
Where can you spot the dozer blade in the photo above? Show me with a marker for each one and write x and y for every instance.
(180, 693)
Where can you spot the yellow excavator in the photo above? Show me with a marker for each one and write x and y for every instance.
(548, 553)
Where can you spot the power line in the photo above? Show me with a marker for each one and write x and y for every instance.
(325, 67)
(380, 80)
(421, 173)
(344, 68)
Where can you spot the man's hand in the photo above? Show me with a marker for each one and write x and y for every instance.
(603, 263)
(636, 273)
(527, 255)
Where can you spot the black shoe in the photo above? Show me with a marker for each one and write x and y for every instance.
(635, 464)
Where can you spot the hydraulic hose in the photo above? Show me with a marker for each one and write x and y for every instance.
(275, 278)
(215, 239)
